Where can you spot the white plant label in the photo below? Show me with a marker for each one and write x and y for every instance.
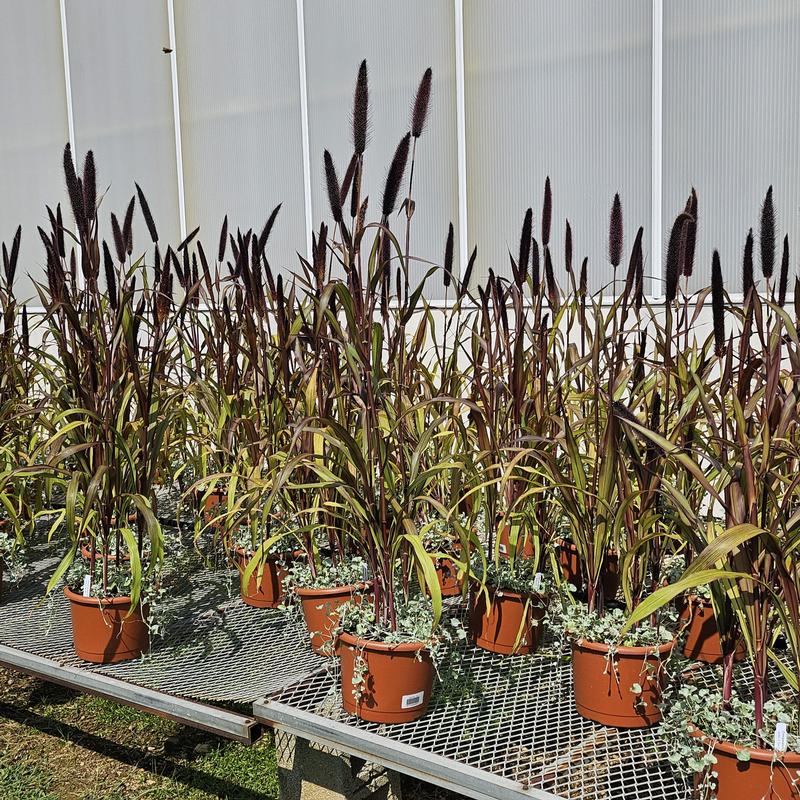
(502, 549)
(537, 582)
(412, 700)
(87, 585)
(780, 737)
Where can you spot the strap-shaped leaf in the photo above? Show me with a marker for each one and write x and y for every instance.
(135, 567)
(665, 594)
(426, 566)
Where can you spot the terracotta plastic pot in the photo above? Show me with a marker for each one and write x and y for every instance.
(3, 523)
(447, 575)
(570, 563)
(265, 591)
(510, 624)
(571, 569)
(702, 636)
(320, 610)
(607, 688)
(766, 776)
(211, 503)
(396, 679)
(611, 577)
(2, 561)
(85, 544)
(504, 545)
(86, 553)
(102, 630)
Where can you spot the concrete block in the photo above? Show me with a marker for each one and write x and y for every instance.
(308, 771)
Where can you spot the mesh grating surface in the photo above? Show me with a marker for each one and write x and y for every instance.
(213, 647)
(515, 718)
(173, 509)
(511, 717)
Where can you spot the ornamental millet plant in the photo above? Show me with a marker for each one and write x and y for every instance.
(660, 392)
(439, 386)
(237, 384)
(361, 446)
(584, 470)
(109, 388)
(16, 377)
(512, 365)
(747, 464)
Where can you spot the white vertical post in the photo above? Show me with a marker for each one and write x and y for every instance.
(657, 135)
(461, 126)
(62, 6)
(301, 57)
(176, 115)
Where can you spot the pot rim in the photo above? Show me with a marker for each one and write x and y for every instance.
(571, 547)
(86, 552)
(216, 491)
(756, 753)
(74, 597)
(348, 589)
(288, 554)
(697, 600)
(623, 650)
(132, 517)
(381, 647)
(441, 559)
(566, 544)
(512, 595)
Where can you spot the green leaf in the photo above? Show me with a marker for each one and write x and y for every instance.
(426, 565)
(63, 566)
(662, 596)
(135, 567)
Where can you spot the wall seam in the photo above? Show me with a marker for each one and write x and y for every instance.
(461, 128)
(304, 126)
(176, 115)
(657, 138)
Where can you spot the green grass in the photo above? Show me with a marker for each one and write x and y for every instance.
(104, 717)
(56, 744)
(22, 780)
(229, 771)
(254, 767)
(112, 715)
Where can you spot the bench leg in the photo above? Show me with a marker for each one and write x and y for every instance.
(307, 771)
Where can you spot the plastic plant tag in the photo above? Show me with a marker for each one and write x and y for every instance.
(412, 700)
(780, 743)
(87, 585)
(502, 549)
(537, 582)
(364, 572)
